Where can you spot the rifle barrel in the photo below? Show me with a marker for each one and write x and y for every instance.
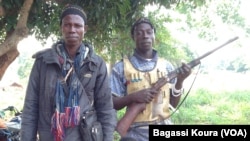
(211, 51)
(196, 61)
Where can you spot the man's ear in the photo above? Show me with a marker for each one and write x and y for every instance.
(86, 28)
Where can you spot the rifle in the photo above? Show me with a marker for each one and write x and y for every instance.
(135, 108)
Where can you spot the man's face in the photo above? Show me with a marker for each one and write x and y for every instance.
(73, 30)
(144, 37)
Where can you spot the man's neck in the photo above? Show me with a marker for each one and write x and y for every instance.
(147, 54)
(72, 50)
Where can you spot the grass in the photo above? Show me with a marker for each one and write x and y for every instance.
(214, 108)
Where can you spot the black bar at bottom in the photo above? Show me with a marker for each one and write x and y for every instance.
(214, 132)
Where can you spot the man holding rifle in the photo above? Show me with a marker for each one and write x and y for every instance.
(135, 85)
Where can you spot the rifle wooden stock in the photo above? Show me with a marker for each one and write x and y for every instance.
(134, 109)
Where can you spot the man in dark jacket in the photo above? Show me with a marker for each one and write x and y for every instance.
(66, 82)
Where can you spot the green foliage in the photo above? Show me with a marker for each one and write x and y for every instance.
(228, 11)
(109, 21)
(238, 64)
(25, 65)
(199, 22)
(205, 17)
(120, 113)
(207, 107)
(44, 19)
(9, 21)
(190, 5)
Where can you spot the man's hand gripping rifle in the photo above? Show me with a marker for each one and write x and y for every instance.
(135, 108)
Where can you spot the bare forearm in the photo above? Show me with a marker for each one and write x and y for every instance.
(124, 123)
(174, 101)
(121, 102)
(179, 84)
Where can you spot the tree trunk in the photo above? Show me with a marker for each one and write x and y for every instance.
(8, 49)
(6, 60)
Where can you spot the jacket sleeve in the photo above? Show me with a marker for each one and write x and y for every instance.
(104, 104)
(30, 109)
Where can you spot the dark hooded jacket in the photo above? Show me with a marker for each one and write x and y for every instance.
(40, 96)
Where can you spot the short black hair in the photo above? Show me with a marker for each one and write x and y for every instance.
(73, 9)
(139, 21)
